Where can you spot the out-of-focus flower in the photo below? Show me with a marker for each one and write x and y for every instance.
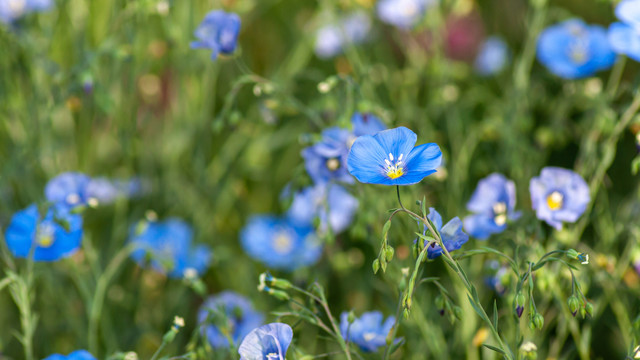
(280, 243)
(11, 10)
(48, 235)
(366, 124)
(463, 36)
(369, 331)
(624, 36)
(326, 160)
(76, 355)
(573, 49)
(390, 158)
(493, 56)
(499, 277)
(68, 189)
(168, 245)
(404, 14)
(331, 203)
(559, 195)
(227, 313)
(493, 203)
(333, 38)
(452, 235)
(218, 32)
(105, 191)
(269, 341)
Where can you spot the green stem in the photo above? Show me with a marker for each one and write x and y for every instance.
(101, 289)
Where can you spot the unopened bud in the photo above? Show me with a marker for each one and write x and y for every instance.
(589, 309)
(388, 253)
(351, 317)
(520, 299)
(457, 311)
(574, 305)
(376, 266)
(572, 254)
(538, 320)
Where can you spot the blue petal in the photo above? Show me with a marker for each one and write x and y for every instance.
(628, 11)
(625, 40)
(80, 355)
(435, 218)
(273, 338)
(481, 226)
(365, 160)
(366, 124)
(422, 161)
(398, 141)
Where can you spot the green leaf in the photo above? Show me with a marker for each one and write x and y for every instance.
(495, 314)
(491, 347)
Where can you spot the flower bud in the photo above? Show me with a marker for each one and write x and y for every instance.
(388, 253)
(520, 299)
(376, 266)
(351, 317)
(538, 320)
(589, 309)
(574, 305)
(440, 304)
(572, 254)
(457, 311)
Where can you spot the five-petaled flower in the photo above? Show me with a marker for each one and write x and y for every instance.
(573, 49)
(56, 235)
(330, 203)
(325, 161)
(218, 32)
(451, 233)
(280, 243)
(268, 342)
(559, 195)
(369, 331)
(390, 158)
(492, 203)
(227, 313)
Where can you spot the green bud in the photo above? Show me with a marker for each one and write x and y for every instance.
(583, 312)
(439, 302)
(519, 303)
(376, 266)
(574, 305)
(406, 313)
(538, 320)
(169, 336)
(278, 294)
(589, 309)
(457, 311)
(351, 317)
(280, 283)
(388, 253)
(572, 254)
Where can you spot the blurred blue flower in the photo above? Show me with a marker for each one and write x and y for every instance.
(559, 195)
(218, 32)
(105, 191)
(76, 355)
(573, 49)
(624, 36)
(329, 202)
(326, 160)
(369, 331)
(492, 57)
(332, 39)
(499, 278)
(11, 10)
(168, 246)
(280, 243)
(52, 242)
(404, 14)
(452, 235)
(492, 203)
(68, 189)
(366, 124)
(227, 312)
(269, 341)
(390, 158)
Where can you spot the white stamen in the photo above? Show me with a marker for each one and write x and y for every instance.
(400, 158)
(387, 162)
(390, 156)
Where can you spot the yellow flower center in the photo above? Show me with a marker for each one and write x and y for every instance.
(394, 169)
(499, 211)
(333, 164)
(45, 235)
(282, 243)
(555, 200)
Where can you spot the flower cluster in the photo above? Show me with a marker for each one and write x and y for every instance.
(73, 189)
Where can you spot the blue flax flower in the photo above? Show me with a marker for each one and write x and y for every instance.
(330, 203)
(366, 124)
(280, 243)
(492, 57)
(452, 235)
(492, 203)
(76, 355)
(499, 278)
(227, 313)
(168, 245)
(369, 331)
(332, 39)
(50, 238)
(390, 158)
(11, 10)
(573, 49)
(68, 189)
(559, 195)
(403, 14)
(326, 160)
(218, 32)
(624, 36)
(269, 342)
